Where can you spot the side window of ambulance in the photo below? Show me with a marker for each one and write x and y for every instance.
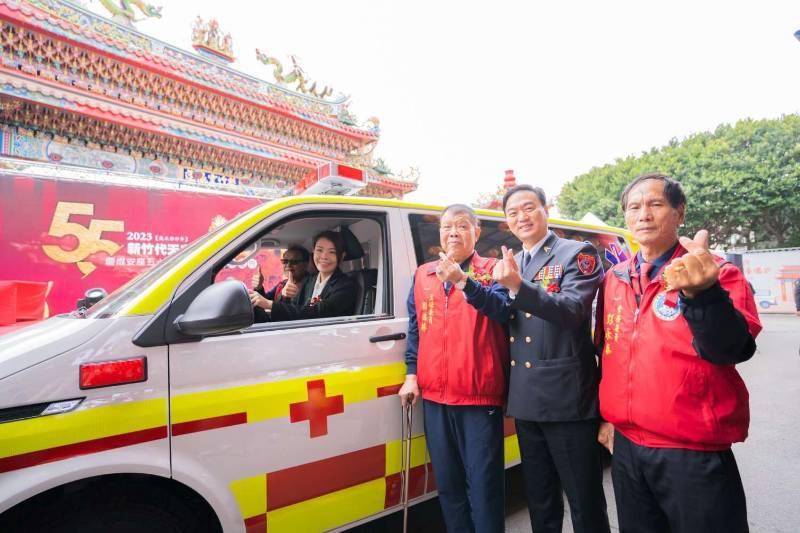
(611, 248)
(425, 230)
(273, 257)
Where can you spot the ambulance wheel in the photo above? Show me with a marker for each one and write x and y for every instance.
(117, 519)
(131, 506)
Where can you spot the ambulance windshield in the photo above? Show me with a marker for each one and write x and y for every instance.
(117, 300)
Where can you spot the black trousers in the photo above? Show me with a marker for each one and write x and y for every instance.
(676, 490)
(465, 443)
(563, 455)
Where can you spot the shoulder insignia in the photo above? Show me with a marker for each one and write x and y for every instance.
(586, 263)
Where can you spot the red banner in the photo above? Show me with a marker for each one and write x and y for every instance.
(84, 235)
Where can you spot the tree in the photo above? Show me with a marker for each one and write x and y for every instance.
(742, 183)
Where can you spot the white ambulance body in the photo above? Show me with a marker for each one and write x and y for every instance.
(149, 415)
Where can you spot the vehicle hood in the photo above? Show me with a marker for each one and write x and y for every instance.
(31, 345)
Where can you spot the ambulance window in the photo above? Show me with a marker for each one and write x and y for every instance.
(425, 230)
(495, 233)
(263, 263)
(611, 248)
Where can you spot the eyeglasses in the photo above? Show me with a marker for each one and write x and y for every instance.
(292, 261)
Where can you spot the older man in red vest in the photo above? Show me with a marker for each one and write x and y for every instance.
(456, 359)
(675, 320)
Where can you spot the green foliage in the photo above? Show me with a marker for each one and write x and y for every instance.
(742, 183)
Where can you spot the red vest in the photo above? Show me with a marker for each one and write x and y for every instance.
(655, 388)
(463, 354)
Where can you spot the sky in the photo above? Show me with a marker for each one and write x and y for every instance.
(465, 90)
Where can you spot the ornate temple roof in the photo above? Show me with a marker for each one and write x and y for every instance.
(200, 112)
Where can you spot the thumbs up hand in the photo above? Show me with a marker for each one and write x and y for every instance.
(695, 271)
(290, 290)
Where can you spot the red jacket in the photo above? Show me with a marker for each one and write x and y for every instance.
(655, 388)
(463, 354)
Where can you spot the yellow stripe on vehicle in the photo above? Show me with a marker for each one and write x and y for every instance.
(395, 450)
(511, 449)
(85, 424)
(251, 495)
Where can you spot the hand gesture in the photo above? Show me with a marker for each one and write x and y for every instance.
(409, 391)
(605, 436)
(449, 270)
(290, 289)
(506, 271)
(695, 271)
(259, 301)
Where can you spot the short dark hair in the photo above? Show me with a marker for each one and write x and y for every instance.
(304, 255)
(462, 209)
(538, 191)
(672, 189)
(337, 241)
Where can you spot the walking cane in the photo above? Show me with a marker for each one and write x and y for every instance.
(408, 413)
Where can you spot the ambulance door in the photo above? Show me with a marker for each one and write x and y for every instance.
(295, 426)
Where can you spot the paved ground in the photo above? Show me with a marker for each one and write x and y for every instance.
(769, 461)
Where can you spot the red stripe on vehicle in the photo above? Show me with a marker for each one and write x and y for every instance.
(205, 424)
(431, 485)
(68, 451)
(388, 390)
(509, 428)
(303, 482)
(394, 486)
(256, 524)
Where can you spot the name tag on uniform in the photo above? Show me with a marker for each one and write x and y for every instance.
(549, 272)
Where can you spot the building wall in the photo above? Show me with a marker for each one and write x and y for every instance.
(15, 144)
(772, 274)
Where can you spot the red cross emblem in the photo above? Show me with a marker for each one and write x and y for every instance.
(317, 409)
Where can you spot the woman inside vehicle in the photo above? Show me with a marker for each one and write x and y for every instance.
(333, 293)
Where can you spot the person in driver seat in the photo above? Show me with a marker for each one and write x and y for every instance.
(331, 294)
(293, 288)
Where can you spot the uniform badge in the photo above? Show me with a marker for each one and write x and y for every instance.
(548, 277)
(549, 272)
(586, 263)
(666, 310)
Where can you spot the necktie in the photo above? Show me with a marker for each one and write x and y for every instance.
(645, 270)
(526, 259)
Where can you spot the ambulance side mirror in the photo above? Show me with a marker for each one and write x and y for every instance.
(91, 297)
(221, 308)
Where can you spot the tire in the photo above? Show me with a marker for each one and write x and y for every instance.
(122, 506)
(118, 519)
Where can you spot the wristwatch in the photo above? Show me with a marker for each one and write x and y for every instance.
(461, 284)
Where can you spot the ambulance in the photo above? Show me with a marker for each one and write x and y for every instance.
(165, 408)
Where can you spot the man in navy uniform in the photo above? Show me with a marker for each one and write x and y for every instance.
(554, 373)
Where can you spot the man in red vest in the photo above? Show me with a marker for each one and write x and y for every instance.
(675, 320)
(456, 359)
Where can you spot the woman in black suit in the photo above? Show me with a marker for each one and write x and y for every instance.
(333, 294)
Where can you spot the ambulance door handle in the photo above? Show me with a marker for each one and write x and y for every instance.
(390, 337)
